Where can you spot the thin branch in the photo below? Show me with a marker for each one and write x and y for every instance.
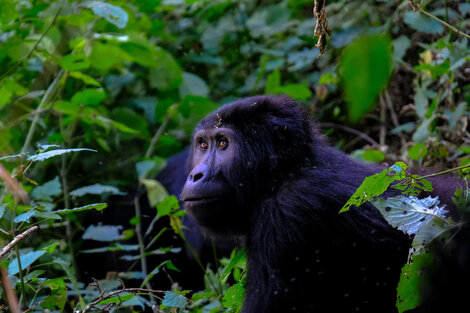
(13, 185)
(17, 239)
(445, 172)
(157, 135)
(352, 131)
(10, 292)
(30, 53)
(45, 100)
(103, 297)
(417, 7)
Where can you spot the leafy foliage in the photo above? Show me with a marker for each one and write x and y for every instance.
(129, 80)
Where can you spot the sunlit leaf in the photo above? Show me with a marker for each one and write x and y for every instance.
(53, 153)
(103, 232)
(46, 191)
(409, 214)
(111, 13)
(26, 260)
(96, 189)
(375, 185)
(172, 299)
(96, 206)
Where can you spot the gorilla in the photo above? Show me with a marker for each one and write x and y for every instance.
(261, 172)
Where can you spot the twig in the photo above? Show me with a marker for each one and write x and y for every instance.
(103, 297)
(383, 128)
(10, 292)
(30, 53)
(13, 185)
(47, 97)
(352, 131)
(444, 172)
(17, 239)
(157, 135)
(417, 7)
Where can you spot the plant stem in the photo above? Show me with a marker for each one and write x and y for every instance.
(45, 100)
(15, 240)
(23, 291)
(157, 135)
(417, 7)
(444, 172)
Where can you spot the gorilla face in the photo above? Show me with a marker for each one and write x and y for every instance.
(208, 195)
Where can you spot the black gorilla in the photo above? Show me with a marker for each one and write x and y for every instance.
(260, 170)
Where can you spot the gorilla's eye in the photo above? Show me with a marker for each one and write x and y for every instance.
(222, 143)
(203, 145)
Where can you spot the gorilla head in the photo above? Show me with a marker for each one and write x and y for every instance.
(238, 154)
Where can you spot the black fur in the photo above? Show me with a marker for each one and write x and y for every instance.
(288, 186)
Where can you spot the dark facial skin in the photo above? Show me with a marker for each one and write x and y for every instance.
(207, 195)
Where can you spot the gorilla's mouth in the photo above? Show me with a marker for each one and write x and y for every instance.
(201, 200)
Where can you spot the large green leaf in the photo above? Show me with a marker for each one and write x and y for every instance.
(167, 73)
(365, 67)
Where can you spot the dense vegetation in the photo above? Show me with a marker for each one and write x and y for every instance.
(95, 96)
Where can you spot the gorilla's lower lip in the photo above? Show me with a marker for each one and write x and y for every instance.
(200, 200)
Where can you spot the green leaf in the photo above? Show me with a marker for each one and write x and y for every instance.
(75, 62)
(25, 217)
(167, 205)
(155, 191)
(421, 102)
(167, 73)
(58, 296)
(202, 295)
(457, 113)
(85, 78)
(3, 208)
(113, 14)
(234, 296)
(46, 191)
(418, 151)
(53, 153)
(373, 156)
(193, 109)
(365, 67)
(169, 265)
(296, 91)
(410, 214)
(106, 55)
(174, 300)
(118, 299)
(89, 96)
(408, 295)
(375, 185)
(96, 189)
(273, 82)
(149, 168)
(96, 206)
(422, 23)
(193, 85)
(26, 260)
(239, 256)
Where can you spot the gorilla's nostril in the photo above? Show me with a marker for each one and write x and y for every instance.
(197, 177)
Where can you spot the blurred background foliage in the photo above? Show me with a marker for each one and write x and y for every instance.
(130, 79)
